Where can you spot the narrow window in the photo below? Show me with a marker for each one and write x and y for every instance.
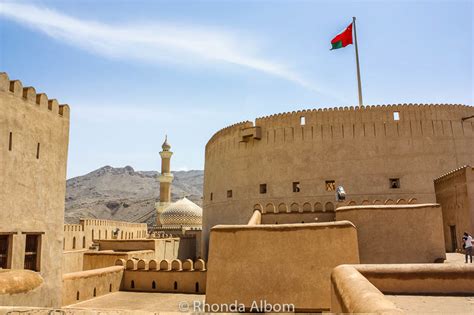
(302, 121)
(296, 186)
(38, 151)
(394, 183)
(77, 296)
(132, 284)
(110, 287)
(211, 196)
(330, 185)
(92, 235)
(74, 243)
(197, 287)
(396, 115)
(263, 188)
(153, 285)
(95, 292)
(176, 285)
(229, 194)
(10, 142)
(5, 241)
(83, 242)
(32, 255)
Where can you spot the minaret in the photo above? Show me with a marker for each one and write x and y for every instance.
(165, 179)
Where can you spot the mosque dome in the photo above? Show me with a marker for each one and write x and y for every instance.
(183, 212)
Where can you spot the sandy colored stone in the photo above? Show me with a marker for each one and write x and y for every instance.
(18, 281)
(33, 184)
(138, 301)
(358, 148)
(419, 304)
(393, 234)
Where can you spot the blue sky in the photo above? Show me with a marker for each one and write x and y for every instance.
(133, 71)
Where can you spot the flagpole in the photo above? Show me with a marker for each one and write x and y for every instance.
(357, 62)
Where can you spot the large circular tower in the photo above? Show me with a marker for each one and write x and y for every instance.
(288, 165)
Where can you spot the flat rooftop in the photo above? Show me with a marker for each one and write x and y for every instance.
(138, 302)
(422, 304)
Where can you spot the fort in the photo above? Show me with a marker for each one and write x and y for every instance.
(274, 227)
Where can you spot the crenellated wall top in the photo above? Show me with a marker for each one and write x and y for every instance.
(351, 114)
(28, 94)
(163, 265)
(451, 174)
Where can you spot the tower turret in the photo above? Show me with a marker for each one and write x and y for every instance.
(165, 179)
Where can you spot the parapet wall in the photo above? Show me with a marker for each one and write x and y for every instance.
(84, 234)
(112, 223)
(361, 288)
(395, 234)
(173, 276)
(29, 95)
(369, 115)
(85, 285)
(279, 264)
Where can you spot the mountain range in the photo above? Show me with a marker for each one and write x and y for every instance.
(125, 194)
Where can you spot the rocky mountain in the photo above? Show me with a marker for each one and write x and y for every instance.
(125, 194)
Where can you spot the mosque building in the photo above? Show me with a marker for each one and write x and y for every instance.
(174, 218)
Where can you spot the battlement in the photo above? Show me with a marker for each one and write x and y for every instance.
(73, 227)
(367, 108)
(28, 94)
(100, 222)
(394, 120)
(231, 128)
(451, 174)
(163, 265)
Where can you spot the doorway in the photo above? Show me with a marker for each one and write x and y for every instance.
(452, 231)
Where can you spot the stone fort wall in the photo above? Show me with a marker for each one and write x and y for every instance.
(82, 235)
(78, 239)
(34, 136)
(362, 149)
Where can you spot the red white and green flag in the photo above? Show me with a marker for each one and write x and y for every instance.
(342, 39)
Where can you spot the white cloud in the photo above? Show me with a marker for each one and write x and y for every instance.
(150, 42)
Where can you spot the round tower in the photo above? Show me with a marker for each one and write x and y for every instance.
(165, 179)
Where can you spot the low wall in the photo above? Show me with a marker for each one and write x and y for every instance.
(84, 285)
(397, 233)
(421, 279)
(73, 260)
(288, 263)
(166, 276)
(352, 293)
(361, 288)
(102, 259)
